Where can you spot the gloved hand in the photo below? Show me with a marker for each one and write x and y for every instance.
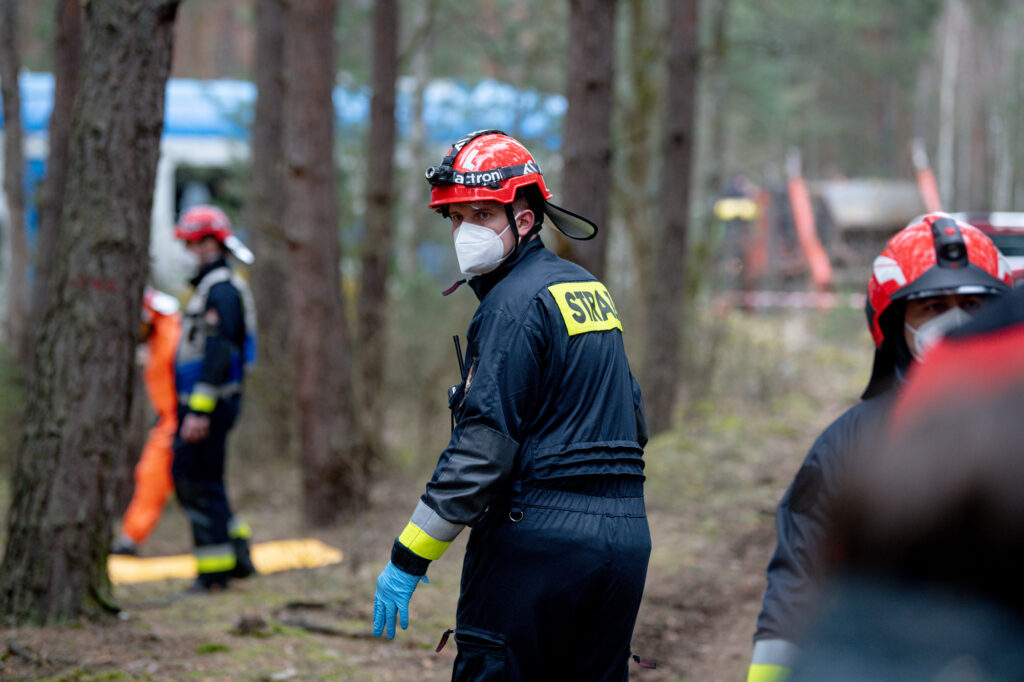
(394, 590)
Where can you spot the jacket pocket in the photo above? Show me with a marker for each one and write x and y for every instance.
(482, 656)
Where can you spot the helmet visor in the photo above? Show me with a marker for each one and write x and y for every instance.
(941, 281)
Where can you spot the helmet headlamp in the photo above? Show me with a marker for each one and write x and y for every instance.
(440, 175)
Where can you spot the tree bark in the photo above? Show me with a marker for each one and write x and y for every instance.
(213, 39)
(67, 57)
(376, 261)
(947, 102)
(587, 146)
(64, 487)
(15, 244)
(335, 460)
(417, 57)
(638, 115)
(270, 398)
(665, 309)
(719, 96)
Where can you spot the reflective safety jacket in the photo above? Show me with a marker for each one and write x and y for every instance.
(218, 339)
(803, 524)
(548, 396)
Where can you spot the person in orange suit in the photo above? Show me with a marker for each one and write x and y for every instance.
(161, 329)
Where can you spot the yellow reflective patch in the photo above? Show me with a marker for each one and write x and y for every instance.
(416, 540)
(586, 307)
(767, 672)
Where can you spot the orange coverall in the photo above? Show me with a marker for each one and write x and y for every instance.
(153, 482)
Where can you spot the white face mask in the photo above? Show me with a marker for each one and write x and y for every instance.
(189, 262)
(479, 249)
(929, 333)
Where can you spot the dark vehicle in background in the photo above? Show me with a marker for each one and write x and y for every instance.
(1006, 229)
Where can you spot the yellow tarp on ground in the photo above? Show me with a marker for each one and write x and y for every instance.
(269, 557)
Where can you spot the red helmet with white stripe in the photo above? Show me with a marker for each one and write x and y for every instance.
(488, 165)
(200, 222)
(203, 221)
(933, 256)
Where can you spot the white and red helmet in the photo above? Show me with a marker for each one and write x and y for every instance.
(200, 222)
(934, 256)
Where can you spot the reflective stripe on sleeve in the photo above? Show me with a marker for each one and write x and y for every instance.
(218, 392)
(203, 398)
(428, 535)
(433, 525)
(763, 672)
(421, 544)
(772, 660)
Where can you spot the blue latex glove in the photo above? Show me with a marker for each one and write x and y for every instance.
(394, 590)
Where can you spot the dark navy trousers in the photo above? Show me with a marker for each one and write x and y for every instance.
(198, 473)
(555, 595)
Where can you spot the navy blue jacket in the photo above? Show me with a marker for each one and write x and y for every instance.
(804, 518)
(548, 397)
(218, 336)
(877, 629)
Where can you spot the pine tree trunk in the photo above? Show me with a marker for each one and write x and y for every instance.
(64, 487)
(14, 160)
(587, 150)
(269, 398)
(662, 360)
(413, 187)
(376, 261)
(334, 458)
(945, 168)
(67, 58)
(639, 108)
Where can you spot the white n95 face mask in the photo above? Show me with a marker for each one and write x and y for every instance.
(478, 248)
(188, 262)
(930, 332)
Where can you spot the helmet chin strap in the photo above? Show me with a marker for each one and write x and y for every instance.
(515, 231)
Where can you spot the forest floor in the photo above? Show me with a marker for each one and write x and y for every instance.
(761, 388)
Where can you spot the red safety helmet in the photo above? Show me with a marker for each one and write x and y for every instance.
(199, 222)
(156, 302)
(933, 256)
(488, 165)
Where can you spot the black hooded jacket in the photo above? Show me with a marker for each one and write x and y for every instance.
(807, 509)
(804, 517)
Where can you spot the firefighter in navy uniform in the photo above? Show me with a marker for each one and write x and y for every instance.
(545, 459)
(217, 342)
(925, 584)
(930, 278)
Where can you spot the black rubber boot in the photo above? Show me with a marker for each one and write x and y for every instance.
(125, 546)
(243, 562)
